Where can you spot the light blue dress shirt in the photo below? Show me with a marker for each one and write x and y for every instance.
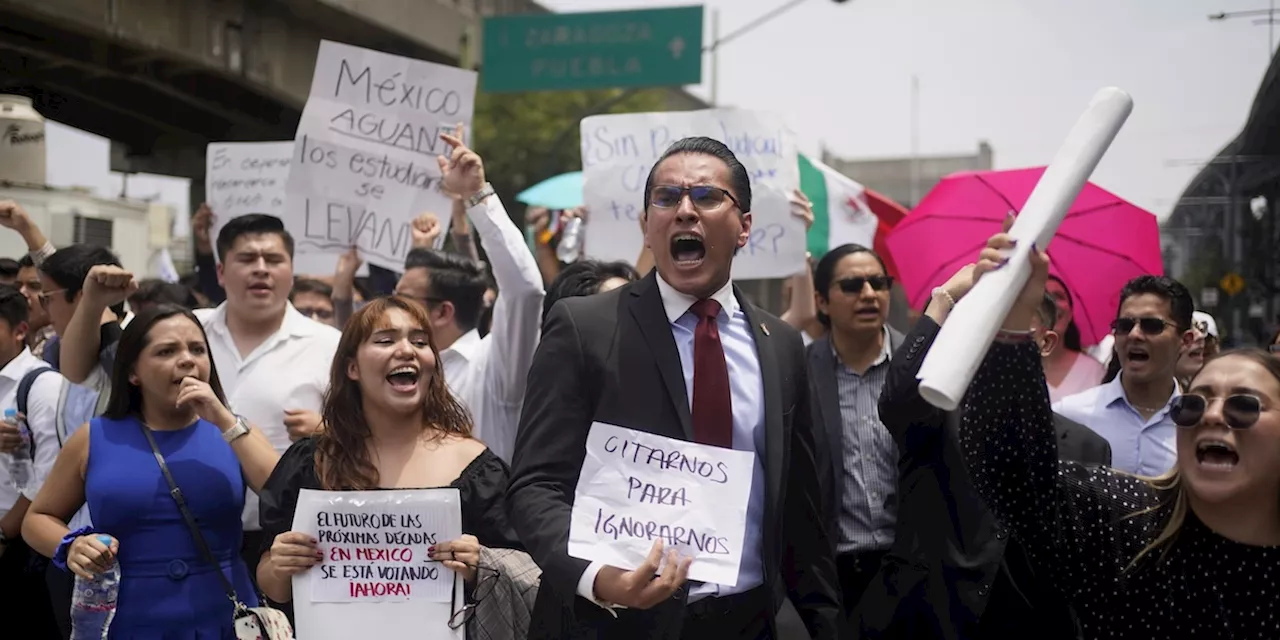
(1138, 446)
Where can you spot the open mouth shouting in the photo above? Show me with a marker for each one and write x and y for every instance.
(404, 379)
(1138, 354)
(260, 289)
(688, 250)
(1214, 454)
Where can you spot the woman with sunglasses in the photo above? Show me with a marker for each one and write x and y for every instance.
(389, 423)
(1194, 553)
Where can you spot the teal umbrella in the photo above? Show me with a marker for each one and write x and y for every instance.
(561, 192)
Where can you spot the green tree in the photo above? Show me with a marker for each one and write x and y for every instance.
(526, 138)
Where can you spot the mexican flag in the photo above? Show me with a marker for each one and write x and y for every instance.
(846, 212)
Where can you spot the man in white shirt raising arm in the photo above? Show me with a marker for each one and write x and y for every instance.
(486, 374)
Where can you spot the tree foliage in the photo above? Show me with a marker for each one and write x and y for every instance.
(526, 138)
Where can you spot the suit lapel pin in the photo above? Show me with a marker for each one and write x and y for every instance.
(764, 329)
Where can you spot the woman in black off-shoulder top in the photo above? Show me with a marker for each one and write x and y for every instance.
(1192, 554)
(389, 423)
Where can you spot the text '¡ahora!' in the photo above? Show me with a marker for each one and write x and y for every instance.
(377, 555)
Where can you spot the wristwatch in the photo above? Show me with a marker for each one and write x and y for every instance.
(234, 433)
(484, 192)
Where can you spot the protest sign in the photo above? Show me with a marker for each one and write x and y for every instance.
(637, 487)
(619, 150)
(364, 162)
(250, 177)
(376, 578)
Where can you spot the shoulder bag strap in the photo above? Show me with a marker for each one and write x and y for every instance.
(191, 520)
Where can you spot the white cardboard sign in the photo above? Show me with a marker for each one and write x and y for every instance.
(637, 487)
(619, 150)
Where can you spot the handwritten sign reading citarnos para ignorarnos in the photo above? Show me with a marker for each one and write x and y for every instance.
(375, 544)
(364, 162)
(619, 150)
(637, 487)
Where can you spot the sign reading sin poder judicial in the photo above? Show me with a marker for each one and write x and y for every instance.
(619, 150)
(637, 487)
(364, 162)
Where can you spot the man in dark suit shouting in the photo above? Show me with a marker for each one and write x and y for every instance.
(680, 353)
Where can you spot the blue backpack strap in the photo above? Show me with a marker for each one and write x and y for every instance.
(24, 386)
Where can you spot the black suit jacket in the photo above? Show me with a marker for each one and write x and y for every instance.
(824, 400)
(952, 560)
(611, 358)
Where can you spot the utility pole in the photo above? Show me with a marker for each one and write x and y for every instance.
(915, 140)
(715, 57)
(1258, 19)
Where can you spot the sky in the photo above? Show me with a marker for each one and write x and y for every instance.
(1016, 73)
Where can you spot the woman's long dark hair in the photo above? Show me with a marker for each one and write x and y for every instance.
(342, 458)
(126, 398)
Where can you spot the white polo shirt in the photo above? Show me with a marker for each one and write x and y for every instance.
(290, 370)
(10, 376)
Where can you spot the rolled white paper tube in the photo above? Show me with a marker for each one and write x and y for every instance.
(952, 361)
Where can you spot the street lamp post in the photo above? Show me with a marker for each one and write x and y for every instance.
(1257, 15)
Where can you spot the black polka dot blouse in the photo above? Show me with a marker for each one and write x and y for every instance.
(1080, 531)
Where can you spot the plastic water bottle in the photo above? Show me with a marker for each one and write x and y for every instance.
(570, 247)
(20, 466)
(93, 604)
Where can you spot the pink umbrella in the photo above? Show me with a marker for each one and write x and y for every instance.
(1103, 243)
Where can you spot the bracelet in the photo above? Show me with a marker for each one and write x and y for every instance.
(60, 555)
(1005, 336)
(939, 291)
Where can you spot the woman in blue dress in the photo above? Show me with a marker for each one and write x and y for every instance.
(163, 380)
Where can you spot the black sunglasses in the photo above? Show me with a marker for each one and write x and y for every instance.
(855, 285)
(483, 589)
(1240, 411)
(1150, 325)
(703, 197)
(1275, 348)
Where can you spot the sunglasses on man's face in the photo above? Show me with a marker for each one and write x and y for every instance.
(1150, 325)
(1240, 411)
(856, 284)
(1275, 348)
(703, 197)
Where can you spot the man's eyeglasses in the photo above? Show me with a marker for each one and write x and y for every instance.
(703, 197)
(1149, 325)
(45, 296)
(1275, 348)
(855, 285)
(1241, 411)
(317, 313)
(485, 582)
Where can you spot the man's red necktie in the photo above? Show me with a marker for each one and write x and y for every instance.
(712, 406)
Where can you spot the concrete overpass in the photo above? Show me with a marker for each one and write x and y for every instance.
(164, 77)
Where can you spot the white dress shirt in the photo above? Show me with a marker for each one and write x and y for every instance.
(1146, 447)
(290, 370)
(746, 390)
(10, 376)
(487, 375)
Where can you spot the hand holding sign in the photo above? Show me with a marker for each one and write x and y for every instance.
(463, 171)
(639, 589)
(292, 553)
(462, 556)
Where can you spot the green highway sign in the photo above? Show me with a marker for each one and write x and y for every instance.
(566, 51)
